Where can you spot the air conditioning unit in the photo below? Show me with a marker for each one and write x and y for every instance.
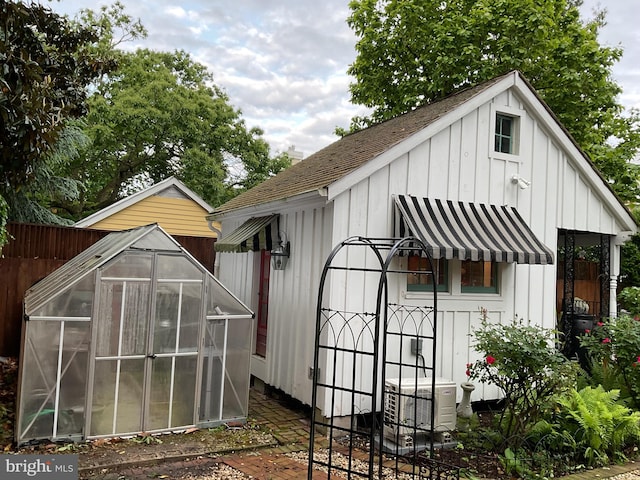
(407, 407)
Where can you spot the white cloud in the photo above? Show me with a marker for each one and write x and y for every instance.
(175, 11)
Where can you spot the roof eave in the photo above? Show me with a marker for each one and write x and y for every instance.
(316, 197)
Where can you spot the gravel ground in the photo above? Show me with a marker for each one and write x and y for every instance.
(633, 475)
(339, 460)
(220, 472)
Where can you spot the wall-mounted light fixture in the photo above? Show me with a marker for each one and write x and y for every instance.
(521, 182)
(280, 254)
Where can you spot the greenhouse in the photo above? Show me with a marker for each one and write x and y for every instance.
(132, 335)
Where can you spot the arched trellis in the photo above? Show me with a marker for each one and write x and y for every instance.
(362, 343)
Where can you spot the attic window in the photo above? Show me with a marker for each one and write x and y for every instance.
(506, 133)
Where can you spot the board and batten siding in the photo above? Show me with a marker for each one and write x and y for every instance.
(293, 296)
(178, 216)
(458, 163)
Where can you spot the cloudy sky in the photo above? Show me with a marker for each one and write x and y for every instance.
(283, 63)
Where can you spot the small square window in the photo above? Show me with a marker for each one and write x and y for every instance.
(423, 282)
(479, 277)
(505, 133)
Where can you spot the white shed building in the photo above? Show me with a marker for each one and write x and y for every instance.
(462, 159)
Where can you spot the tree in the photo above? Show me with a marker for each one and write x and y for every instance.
(47, 64)
(412, 52)
(159, 115)
(46, 69)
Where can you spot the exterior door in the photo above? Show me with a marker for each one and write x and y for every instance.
(146, 337)
(263, 303)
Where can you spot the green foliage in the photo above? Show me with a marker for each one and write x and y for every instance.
(113, 26)
(614, 348)
(629, 299)
(630, 260)
(600, 425)
(146, 438)
(521, 360)
(517, 464)
(413, 52)
(36, 202)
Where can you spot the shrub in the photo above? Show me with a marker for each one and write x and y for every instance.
(613, 349)
(521, 360)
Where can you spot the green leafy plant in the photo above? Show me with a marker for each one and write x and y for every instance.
(146, 438)
(514, 465)
(521, 360)
(613, 349)
(599, 423)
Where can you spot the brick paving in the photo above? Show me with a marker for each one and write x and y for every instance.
(290, 425)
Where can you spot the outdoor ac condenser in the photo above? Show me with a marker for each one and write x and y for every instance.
(407, 406)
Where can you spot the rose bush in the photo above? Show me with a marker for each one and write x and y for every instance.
(521, 360)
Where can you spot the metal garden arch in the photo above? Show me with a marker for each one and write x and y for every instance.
(365, 342)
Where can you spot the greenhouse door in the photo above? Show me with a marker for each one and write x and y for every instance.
(146, 360)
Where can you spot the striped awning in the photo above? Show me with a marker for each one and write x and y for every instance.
(255, 234)
(469, 231)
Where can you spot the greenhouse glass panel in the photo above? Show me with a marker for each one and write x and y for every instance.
(212, 382)
(73, 380)
(117, 397)
(129, 265)
(221, 302)
(157, 240)
(178, 317)
(236, 378)
(56, 355)
(176, 267)
(172, 401)
(75, 301)
(161, 393)
(184, 397)
(192, 311)
(121, 322)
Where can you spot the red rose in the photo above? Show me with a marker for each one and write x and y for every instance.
(490, 359)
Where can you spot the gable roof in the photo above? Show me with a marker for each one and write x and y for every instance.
(167, 185)
(349, 153)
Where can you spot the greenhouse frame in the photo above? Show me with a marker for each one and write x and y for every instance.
(132, 335)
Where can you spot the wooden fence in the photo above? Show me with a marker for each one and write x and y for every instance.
(34, 251)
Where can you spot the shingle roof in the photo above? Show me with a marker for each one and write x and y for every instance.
(349, 153)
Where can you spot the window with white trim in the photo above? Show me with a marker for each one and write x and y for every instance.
(505, 134)
(463, 277)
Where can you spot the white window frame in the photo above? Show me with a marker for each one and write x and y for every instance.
(518, 117)
(454, 281)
